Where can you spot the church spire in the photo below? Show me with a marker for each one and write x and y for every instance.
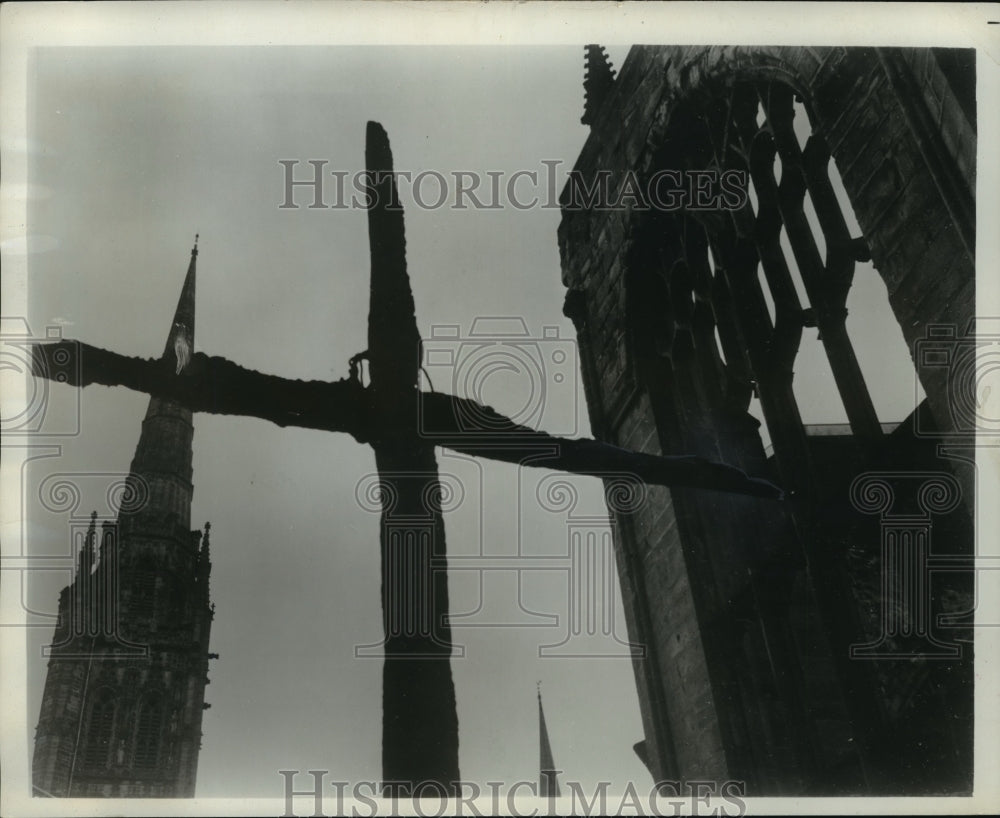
(146, 605)
(183, 323)
(205, 562)
(205, 555)
(548, 776)
(87, 556)
(161, 469)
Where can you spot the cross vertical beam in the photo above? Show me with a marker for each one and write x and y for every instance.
(419, 717)
(403, 425)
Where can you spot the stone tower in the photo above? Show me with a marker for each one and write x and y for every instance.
(816, 647)
(124, 694)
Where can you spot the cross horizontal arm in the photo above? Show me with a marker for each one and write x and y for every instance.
(213, 385)
(471, 428)
(218, 386)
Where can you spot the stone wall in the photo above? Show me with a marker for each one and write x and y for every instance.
(710, 583)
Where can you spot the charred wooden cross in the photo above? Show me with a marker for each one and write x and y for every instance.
(403, 425)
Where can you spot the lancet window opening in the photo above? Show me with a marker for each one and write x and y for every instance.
(101, 729)
(144, 591)
(149, 731)
(782, 263)
(811, 287)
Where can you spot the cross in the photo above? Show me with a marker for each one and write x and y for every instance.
(403, 425)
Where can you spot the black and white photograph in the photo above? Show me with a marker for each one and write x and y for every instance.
(499, 408)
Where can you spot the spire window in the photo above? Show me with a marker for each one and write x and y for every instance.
(101, 730)
(149, 732)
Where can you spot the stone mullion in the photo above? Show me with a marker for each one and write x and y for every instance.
(767, 225)
(738, 371)
(708, 366)
(773, 700)
(795, 465)
(841, 249)
(830, 317)
(772, 362)
(774, 384)
(738, 274)
(702, 315)
(771, 355)
(767, 238)
(765, 230)
(781, 673)
(829, 581)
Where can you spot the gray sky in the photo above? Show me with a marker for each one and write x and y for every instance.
(138, 149)
(131, 152)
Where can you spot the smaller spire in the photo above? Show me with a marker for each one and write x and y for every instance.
(87, 553)
(182, 327)
(597, 82)
(205, 561)
(108, 535)
(548, 778)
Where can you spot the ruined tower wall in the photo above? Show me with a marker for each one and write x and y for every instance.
(903, 142)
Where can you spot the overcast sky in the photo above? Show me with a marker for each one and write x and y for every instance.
(133, 151)
(139, 149)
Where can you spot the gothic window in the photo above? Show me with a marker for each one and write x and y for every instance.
(101, 728)
(828, 264)
(758, 292)
(173, 592)
(149, 732)
(143, 592)
(807, 253)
